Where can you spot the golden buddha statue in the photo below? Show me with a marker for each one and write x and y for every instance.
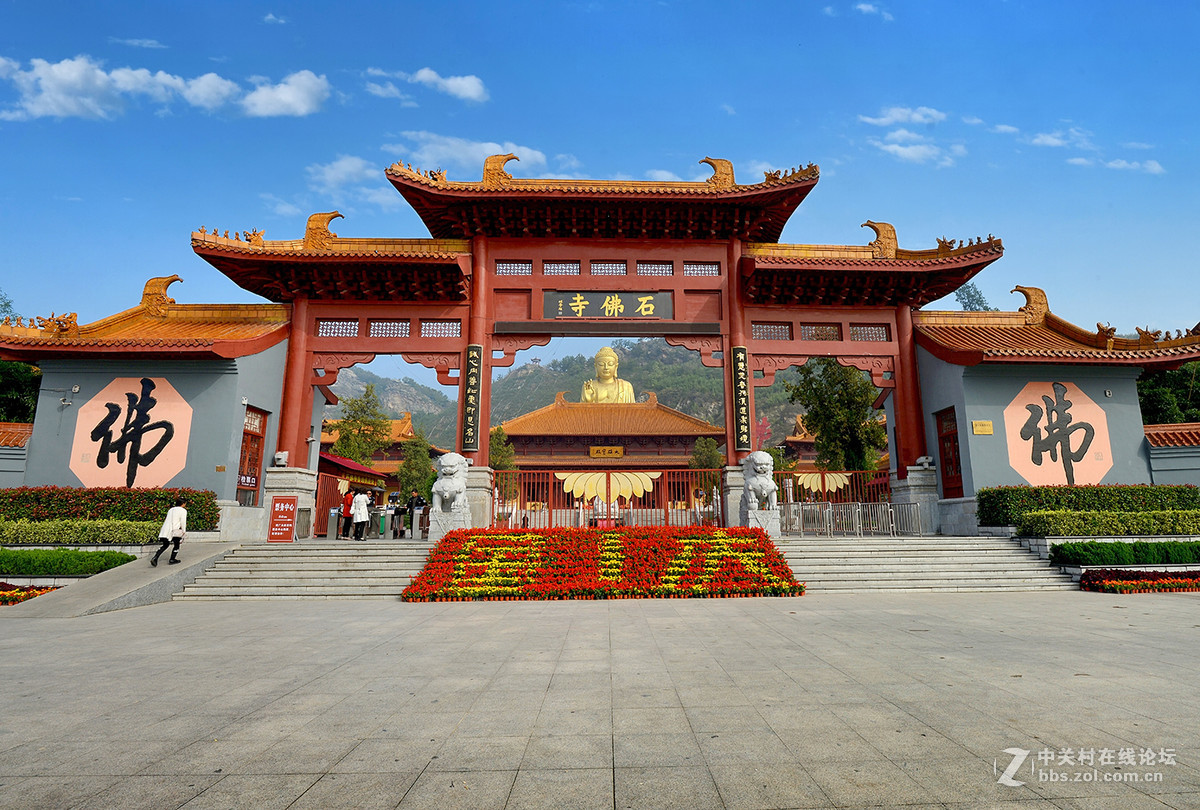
(607, 388)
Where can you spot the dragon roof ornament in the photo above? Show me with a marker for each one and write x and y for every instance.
(496, 178)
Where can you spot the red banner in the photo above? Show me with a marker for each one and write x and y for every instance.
(282, 528)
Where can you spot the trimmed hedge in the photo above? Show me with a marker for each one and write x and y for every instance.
(59, 562)
(1107, 524)
(1093, 553)
(62, 503)
(78, 532)
(1004, 506)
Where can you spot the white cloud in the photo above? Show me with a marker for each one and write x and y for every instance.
(468, 88)
(81, 88)
(728, 109)
(439, 151)
(343, 171)
(1076, 137)
(921, 152)
(663, 176)
(1137, 145)
(1005, 129)
(905, 115)
(828, 11)
(389, 90)
(1148, 166)
(958, 150)
(901, 135)
(138, 43)
(567, 162)
(271, 19)
(1080, 161)
(281, 207)
(871, 8)
(299, 94)
(972, 120)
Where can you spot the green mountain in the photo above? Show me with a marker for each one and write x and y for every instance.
(673, 373)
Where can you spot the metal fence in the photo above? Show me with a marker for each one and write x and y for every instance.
(844, 502)
(541, 499)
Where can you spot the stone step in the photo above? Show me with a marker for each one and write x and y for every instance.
(919, 564)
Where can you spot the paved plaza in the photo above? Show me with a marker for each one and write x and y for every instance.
(855, 700)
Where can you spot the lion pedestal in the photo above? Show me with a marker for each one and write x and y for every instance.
(450, 509)
(760, 501)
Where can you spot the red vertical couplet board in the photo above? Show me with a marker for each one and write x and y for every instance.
(282, 528)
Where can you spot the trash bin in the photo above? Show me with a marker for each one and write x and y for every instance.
(335, 522)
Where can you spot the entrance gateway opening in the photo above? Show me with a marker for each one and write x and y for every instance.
(514, 262)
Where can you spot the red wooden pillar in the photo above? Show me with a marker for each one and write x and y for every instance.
(736, 339)
(478, 337)
(910, 425)
(295, 411)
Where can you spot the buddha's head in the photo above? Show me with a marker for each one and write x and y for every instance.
(606, 365)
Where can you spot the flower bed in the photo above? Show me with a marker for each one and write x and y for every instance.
(630, 563)
(1116, 580)
(12, 594)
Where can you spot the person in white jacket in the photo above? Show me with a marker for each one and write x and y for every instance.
(361, 511)
(173, 530)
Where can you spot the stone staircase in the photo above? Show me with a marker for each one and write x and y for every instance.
(848, 564)
(312, 570)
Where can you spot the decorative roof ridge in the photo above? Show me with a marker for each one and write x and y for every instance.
(954, 317)
(651, 403)
(884, 247)
(495, 178)
(328, 243)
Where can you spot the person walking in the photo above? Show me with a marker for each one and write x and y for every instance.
(415, 504)
(361, 510)
(347, 513)
(173, 530)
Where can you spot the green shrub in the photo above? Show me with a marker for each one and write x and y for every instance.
(1107, 524)
(78, 532)
(1095, 553)
(58, 562)
(59, 503)
(1003, 506)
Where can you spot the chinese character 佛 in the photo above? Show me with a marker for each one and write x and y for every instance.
(1058, 432)
(137, 425)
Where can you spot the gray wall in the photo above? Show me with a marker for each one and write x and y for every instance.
(1175, 465)
(982, 392)
(213, 388)
(12, 466)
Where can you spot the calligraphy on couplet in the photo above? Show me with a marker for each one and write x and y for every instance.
(575, 304)
(473, 386)
(740, 371)
(133, 432)
(1057, 434)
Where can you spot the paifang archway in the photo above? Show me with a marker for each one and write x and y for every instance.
(512, 263)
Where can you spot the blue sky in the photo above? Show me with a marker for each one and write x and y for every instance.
(1065, 128)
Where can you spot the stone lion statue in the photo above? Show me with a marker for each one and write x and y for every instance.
(450, 489)
(761, 490)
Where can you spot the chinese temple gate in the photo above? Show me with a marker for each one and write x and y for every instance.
(210, 396)
(513, 263)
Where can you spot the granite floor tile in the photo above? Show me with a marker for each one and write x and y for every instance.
(576, 789)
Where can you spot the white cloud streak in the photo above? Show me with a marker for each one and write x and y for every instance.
(434, 151)
(138, 43)
(905, 115)
(467, 88)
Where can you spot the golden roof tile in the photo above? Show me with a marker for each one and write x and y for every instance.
(1034, 334)
(15, 434)
(1184, 434)
(581, 419)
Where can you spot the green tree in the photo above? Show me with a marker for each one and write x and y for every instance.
(364, 427)
(19, 382)
(501, 453)
(706, 455)
(971, 299)
(417, 470)
(837, 403)
(1170, 397)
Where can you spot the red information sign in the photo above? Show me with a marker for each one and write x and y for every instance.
(282, 528)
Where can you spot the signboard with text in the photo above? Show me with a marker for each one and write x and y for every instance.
(574, 304)
(282, 528)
